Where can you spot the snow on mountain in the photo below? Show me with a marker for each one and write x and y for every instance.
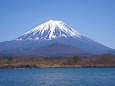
(50, 33)
(50, 30)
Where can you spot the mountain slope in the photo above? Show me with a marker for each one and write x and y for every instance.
(50, 30)
(49, 33)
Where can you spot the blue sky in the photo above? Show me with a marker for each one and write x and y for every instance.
(92, 18)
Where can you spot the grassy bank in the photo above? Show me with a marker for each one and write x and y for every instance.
(58, 62)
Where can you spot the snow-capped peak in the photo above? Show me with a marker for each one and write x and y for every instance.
(50, 30)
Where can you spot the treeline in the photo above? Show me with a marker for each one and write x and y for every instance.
(105, 60)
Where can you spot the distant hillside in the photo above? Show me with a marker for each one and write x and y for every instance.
(56, 50)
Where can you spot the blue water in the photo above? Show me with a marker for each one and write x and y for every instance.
(58, 77)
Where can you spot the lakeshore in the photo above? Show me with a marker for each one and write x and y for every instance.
(103, 61)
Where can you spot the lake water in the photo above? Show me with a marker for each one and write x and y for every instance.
(58, 77)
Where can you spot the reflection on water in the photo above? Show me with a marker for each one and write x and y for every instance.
(58, 77)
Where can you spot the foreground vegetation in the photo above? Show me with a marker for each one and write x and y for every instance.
(58, 62)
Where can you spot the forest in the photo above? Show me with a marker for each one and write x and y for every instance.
(106, 60)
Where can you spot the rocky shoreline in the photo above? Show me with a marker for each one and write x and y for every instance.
(54, 66)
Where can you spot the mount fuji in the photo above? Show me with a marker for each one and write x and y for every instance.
(53, 38)
(50, 30)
